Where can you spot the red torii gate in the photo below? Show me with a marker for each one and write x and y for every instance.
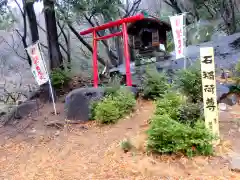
(123, 33)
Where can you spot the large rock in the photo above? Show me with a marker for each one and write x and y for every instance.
(222, 89)
(21, 111)
(77, 102)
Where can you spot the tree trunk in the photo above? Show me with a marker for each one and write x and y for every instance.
(24, 35)
(55, 55)
(233, 18)
(32, 21)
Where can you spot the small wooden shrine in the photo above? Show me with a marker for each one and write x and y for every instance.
(148, 35)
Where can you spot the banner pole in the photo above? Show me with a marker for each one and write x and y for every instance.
(185, 39)
(53, 99)
(49, 80)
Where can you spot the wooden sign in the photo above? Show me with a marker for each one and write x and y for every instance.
(209, 89)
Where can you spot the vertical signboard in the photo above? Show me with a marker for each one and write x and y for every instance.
(38, 67)
(209, 89)
(177, 23)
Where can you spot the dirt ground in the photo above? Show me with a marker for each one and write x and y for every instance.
(30, 150)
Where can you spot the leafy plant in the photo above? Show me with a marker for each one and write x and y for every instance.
(169, 104)
(236, 74)
(114, 106)
(93, 106)
(125, 100)
(155, 84)
(59, 78)
(190, 113)
(126, 145)
(106, 111)
(190, 83)
(169, 136)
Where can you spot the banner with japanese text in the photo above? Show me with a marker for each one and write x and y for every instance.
(38, 65)
(209, 89)
(177, 23)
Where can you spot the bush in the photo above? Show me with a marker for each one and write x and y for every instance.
(189, 113)
(93, 106)
(59, 78)
(155, 84)
(126, 145)
(114, 106)
(190, 83)
(178, 108)
(106, 111)
(169, 136)
(236, 76)
(169, 104)
(125, 100)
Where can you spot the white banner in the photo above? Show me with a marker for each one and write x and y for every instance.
(209, 89)
(177, 24)
(38, 65)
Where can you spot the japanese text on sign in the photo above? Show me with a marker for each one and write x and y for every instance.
(209, 89)
(177, 29)
(38, 67)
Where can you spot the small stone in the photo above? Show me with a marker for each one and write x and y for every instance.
(235, 164)
(33, 130)
(222, 107)
(6, 137)
(57, 133)
(235, 126)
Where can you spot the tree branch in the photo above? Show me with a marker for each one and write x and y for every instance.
(89, 47)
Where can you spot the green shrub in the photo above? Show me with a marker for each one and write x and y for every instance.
(59, 78)
(126, 145)
(93, 106)
(106, 111)
(125, 100)
(236, 76)
(190, 83)
(169, 104)
(169, 136)
(113, 85)
(189, 113)
(155, 84)
(114, 106)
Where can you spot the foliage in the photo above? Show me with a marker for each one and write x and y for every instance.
(114, 85)
(125, 100)
(169, 104)
(155, 84)
(59, 78)
(169, 136)
(106, 111)
(236, 75)
(235, 87)
(7, 18)
(177, 126)
(93, 106)
(190, 83)
(114, 106)
(126, 145)
(178, 108)
(189, 113)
